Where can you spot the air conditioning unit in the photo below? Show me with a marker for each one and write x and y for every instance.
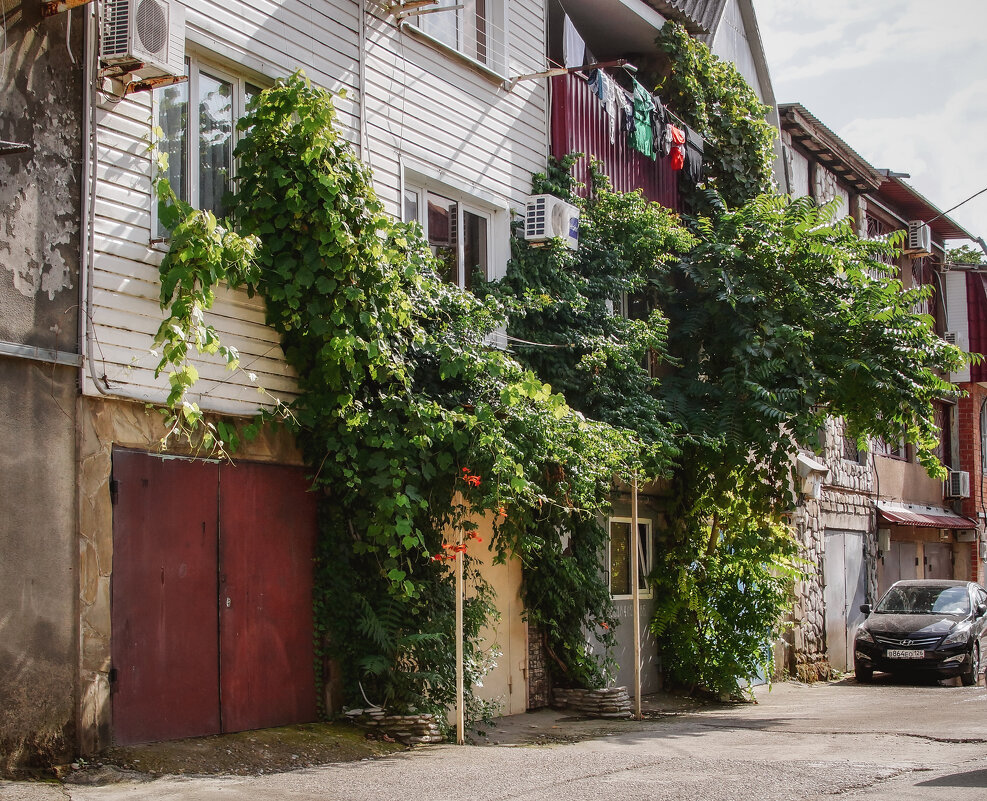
(919, 239)
(143, 38)
(958, 484)
(957, 338)
(547, 217)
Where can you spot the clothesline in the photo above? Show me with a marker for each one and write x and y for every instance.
(581, 70)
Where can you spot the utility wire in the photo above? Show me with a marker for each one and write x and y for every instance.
(943, 213)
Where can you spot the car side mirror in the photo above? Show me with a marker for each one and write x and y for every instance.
(865, 608)
(981, 609)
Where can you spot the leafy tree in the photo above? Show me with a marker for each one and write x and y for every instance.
(767, 318)
(713, 98)
(965, 254)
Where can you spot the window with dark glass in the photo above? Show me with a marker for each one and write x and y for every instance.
(457, 235)
(620, 556)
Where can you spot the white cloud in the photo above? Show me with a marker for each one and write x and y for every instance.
(903, 85)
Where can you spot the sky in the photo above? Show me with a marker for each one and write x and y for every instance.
(903, 82)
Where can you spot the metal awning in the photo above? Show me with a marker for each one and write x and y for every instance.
(924, 516)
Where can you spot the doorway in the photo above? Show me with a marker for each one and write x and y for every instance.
(211, 597)
(845, 579)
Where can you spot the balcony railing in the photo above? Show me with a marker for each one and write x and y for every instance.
(579, 125)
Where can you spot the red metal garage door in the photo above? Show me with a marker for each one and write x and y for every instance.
(211, 598)
(165, 632)
(267, 544)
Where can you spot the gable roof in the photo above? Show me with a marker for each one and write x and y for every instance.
(912, 205)
(824, 146)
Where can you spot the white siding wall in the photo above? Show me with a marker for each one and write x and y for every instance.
(262, 40)
(731, 44)
(428, 114)
(958, 317)
(434, 117)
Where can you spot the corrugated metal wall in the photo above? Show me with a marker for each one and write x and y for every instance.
(976, 298)
(579, 125)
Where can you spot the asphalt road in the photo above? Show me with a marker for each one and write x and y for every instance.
(891, 740)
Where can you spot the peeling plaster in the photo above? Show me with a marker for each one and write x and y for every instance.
(38, 207)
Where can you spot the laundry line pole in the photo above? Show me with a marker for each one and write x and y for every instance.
(636, 596)
(460, 682)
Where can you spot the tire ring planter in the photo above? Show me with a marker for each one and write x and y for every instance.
(415, 729)
(612, 702)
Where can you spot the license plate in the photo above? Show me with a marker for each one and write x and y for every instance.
(904, 653)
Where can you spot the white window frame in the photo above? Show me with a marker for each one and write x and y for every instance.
(647, 546)
(197, 63)
(496, 35)
(464, 203)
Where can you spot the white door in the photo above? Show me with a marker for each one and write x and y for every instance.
(845, 589)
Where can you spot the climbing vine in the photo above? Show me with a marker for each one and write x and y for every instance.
(413, 427)
(760, 321)
(713, 98)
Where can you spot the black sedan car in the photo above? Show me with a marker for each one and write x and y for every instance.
(924, 626)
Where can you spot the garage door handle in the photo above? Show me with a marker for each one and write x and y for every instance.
(229, 603)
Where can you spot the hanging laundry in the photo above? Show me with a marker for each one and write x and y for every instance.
(693, 156)
(642, 140)
(573, 46)
(606, 90)
(678, 147)
(627, 112)
(663, 137)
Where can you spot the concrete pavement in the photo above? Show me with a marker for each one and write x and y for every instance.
(890, 740)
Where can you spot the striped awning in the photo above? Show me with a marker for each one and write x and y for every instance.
(924, 516)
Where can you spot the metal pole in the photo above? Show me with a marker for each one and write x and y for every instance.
(460, 711)
(636, 597)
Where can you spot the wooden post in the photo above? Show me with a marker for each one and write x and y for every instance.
(636, 597)
(460, 683)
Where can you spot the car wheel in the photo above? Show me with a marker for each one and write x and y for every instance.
(864, 674)
(972, 673)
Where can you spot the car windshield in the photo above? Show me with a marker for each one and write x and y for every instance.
(916, 600)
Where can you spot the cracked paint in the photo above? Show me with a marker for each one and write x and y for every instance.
(38, 198)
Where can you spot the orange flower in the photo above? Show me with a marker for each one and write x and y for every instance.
(502, 512)
(473, 481)
(603, 623)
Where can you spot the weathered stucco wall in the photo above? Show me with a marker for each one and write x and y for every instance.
(40, 105)
(37, 567)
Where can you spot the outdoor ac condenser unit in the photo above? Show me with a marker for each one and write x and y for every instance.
(958, 484)
(919, 239)
(547, 217)
(145, 38)
(956, 338)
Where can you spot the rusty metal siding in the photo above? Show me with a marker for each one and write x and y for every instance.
(579, 125)
(976, 299)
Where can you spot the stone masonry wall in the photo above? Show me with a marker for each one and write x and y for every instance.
(539, 680)
(847, 503)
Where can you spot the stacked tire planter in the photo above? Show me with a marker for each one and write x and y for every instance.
(415, 729)
(612, 702)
